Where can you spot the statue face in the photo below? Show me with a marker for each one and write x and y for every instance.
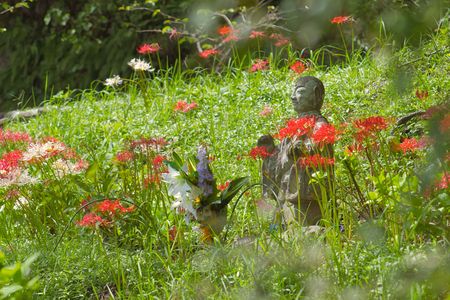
(304, 97)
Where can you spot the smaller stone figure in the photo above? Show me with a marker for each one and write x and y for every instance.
(270, 182)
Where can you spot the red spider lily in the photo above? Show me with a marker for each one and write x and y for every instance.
(297, 128)
(259, 152)
(151, 179)
(444, 124)
(173, 233)
(157, 161)
(7, 136)
(225, 30)
(124, 156)
(281, 42)
(209, 52)
(112, 207)
(350, 150)
(91, 220)
(341, 19)
(259, 65)
(183, 106)
(411, 145)
(148, 48)
(443, 182)
(276, 36)
(267, 110)
(369, 126)
(12, 194)
(81, 165)
(326, 134)
(231, 37)
(421, 94)
(316, 161)
(256, 34)
(222, 187)
(298, 67)
(10, 161)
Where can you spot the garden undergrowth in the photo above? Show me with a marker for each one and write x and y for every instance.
(385, 255)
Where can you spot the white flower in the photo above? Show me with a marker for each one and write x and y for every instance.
(113, 81)
(20, 203)
(38, 152)
(64, 167)
(17, 177)
(140, 65)
(183, 192)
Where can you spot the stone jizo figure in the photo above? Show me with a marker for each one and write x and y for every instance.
(297, 197)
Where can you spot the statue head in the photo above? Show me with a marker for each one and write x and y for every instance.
(308, 94)
(268, 142)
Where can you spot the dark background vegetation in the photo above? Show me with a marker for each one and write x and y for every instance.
(54, 45)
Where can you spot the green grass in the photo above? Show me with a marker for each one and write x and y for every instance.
(388, 258)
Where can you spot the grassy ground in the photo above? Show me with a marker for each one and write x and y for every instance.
(388, 257)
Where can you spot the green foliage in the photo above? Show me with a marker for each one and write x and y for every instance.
(15, 281)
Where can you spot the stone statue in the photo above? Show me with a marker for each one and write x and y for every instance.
(297, 197)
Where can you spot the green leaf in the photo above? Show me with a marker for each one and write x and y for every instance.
(157, 11)
(232, 190)
(85, 187)
(7, 291)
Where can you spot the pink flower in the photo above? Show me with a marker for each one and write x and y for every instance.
(267, 110)
(421, 94)
(341, 19)
(7, 136)
(259, 65)
(298, 67)
(183, 106)
(281, 42)
(231, 37)
(145, 145)
(207, 53)
(148, 48)
(256, 34)
(174, 34)
(443, 182)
